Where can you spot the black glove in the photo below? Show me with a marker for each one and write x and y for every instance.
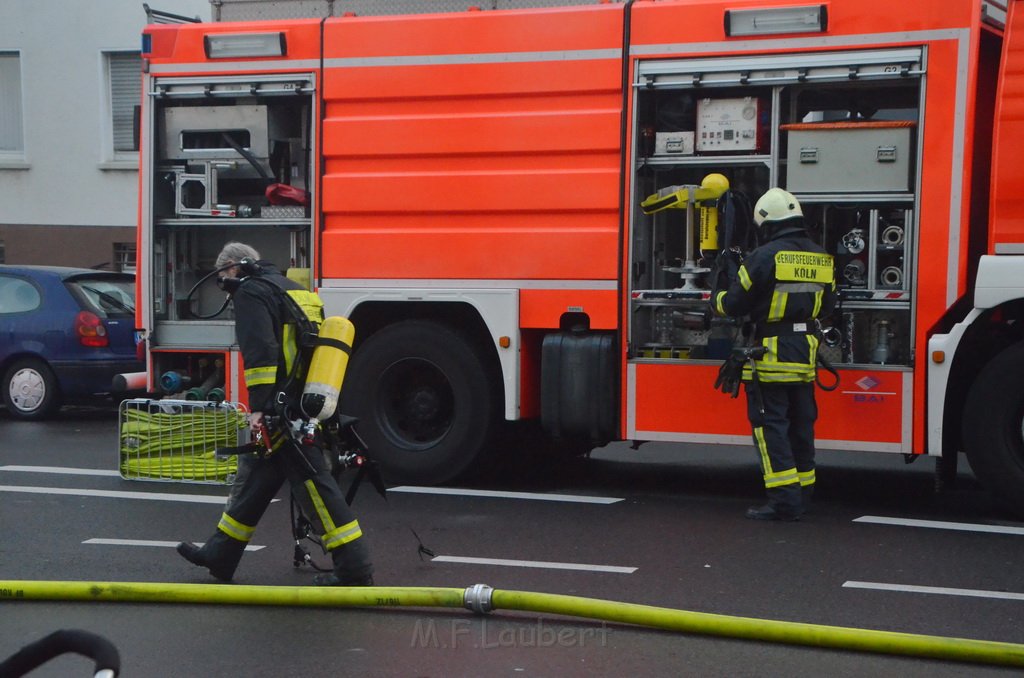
(725, 270)
(729, 375)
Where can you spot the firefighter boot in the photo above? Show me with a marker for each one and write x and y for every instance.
(784, 504)
(806, 497)
(220, 559)
(352, 566)
(331, 579)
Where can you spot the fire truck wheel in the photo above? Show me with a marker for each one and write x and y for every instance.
(426, 403)
(30, 389)
(993, 428)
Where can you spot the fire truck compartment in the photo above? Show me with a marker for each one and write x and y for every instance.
(839, 130)
(223, 148)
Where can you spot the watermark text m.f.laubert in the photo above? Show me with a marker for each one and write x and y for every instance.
(484, 634)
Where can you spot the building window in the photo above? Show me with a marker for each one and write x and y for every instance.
(124, 257)
(124, 72)
(12, 144)
(3, 253)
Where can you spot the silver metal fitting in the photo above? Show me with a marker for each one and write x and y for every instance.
(853, 241)
(892, 236)
(892, 276)
(478, 598)
(832, 336)
(854, 271)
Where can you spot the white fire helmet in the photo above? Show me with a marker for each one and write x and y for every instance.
(776, 205)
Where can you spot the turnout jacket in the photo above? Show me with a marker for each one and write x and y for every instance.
(784, 286)
(266, 331)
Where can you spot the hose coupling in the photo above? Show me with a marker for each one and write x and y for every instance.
(478, 598)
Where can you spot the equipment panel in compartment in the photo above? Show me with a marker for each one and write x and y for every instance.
(871, 244)
(678, 325)
(734, 124)
(233, 160)
(192, 375)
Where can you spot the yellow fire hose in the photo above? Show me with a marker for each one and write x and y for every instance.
(482, 599)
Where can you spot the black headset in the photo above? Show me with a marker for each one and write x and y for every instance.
(249, 267)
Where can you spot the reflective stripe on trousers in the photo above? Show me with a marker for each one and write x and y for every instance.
(333, 536)
(235, 529)
(784, 438)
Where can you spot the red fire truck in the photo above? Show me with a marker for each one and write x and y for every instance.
(472, 188)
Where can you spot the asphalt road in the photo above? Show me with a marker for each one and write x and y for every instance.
(662, 525)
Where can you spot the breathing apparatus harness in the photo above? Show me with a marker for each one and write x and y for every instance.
(293, 424)
(293, 413)
(307, 333)
(730, 374)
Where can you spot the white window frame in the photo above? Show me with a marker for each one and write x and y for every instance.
(124, 257)
(111, 157)
(15, 158)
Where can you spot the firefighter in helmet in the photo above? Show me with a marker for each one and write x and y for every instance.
(783, 287)
(266, 327)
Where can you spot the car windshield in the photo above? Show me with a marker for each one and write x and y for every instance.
(106, 296)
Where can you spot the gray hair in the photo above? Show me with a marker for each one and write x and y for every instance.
(234, 252)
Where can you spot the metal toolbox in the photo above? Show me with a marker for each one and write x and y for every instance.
(849, 157)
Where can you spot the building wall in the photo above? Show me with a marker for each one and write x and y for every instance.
(69, 198)
(56, 245)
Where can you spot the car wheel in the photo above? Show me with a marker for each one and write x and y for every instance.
(30, 390)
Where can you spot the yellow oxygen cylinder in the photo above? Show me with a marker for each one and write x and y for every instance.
(715, 185)
(327, 368)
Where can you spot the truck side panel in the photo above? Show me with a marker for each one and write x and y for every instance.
(948, 35)
(179, 49)
(472, 146)
(1007, 218)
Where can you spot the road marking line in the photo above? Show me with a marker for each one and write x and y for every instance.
(153, 496)
(534, 563)
(66, 470)
(538, 496)
(973, 593)
(150, 542)
(940, 525)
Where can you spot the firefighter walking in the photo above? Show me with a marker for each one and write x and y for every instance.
(783, 286)
(267, 327)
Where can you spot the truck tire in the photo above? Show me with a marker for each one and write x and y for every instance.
(993, 428)
(30, 390)
(426, 402)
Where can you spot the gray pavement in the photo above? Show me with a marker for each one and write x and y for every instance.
(880, 551)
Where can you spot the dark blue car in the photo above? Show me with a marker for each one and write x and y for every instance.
(64, 334)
